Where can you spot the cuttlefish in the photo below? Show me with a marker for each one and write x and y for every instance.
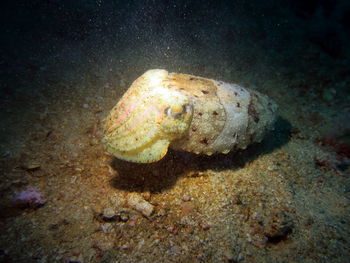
(185, 112)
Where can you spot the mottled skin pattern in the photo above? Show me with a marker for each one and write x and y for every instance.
(185, 112)
(209, 115)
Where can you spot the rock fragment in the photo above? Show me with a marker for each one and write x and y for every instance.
(139, 204)
(109, 214)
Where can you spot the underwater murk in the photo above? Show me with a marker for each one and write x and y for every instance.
(175, 131)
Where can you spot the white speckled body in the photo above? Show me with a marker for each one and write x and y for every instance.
(188, 113)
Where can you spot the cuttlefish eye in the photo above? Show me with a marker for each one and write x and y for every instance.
(177, 111)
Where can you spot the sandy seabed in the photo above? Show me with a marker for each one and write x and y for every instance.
(283, 200)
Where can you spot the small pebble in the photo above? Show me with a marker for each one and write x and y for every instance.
(186, 208)
(146, 195)
(78, 258)
(109, 214)
(161, 212)
(139, 204)
(124, 217)
(205, 226)
(272, 167)
(107, 228)
(104, 245)
(30, 166)
(132, 222)
(186, 198)
(171, 229)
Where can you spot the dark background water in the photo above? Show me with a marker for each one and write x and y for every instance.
(31, 27)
